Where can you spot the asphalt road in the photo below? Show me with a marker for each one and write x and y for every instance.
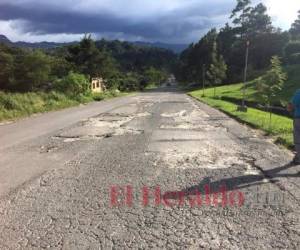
(154, 171)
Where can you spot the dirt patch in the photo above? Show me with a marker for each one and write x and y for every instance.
(48, 149)
(252, 171)
(192, 126)
(71, 139)
(108, 122)
(128, 110)
(104, 126)
(173, 115)
(197, 153)
(208, 157)
(184, 115)
(185, 120)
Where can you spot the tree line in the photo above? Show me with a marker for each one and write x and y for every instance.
(219, 56)
(124, 66)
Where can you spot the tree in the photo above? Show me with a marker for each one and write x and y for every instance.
(217, 69)
(154, 76)
(6, 69)
(269, 85)
(184, 72)
(292, 52)
(242, 8)
(225, 41)
(199, 54)
(86, 57)
(250, 21)
(34, 70)
(108, 66)
(137, 58)
(60, 67)
(266, 45)
(130, 82)
(295, 29)
(259, 22)
(240, 15)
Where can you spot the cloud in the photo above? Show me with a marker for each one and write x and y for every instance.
(176, 21)
(284, 12)
(172, 21)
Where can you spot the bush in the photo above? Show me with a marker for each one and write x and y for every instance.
(98, 97)
(21, 103)
(10, 103)
(81, 98)
(13, 105)
(130, 82)
(73, 84)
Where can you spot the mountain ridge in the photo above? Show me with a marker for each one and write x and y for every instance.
(177, 48)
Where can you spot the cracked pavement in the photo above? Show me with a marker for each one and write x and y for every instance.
(58, 187)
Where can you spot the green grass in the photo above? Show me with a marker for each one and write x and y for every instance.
(236, 90)
(233, 91)
(151, 86)
(17, 105)
(281, 127)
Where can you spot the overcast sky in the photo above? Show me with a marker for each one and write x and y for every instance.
(173, 21)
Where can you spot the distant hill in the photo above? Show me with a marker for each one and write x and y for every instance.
(39, 45)
(177, 48)
(133, 56)
(4, 39)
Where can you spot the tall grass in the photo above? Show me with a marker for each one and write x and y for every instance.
(16, 105)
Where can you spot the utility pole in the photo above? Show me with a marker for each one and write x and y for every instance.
(203, 79)
(245, 73)
(243, 108)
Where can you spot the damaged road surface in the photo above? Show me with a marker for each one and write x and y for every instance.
(154, 171)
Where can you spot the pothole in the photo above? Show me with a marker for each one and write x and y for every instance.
(148, 104)
(47, 149)
(191, 126)
(71, 139)
(123, 131)
(104, 126)
(207, 156)
(108, 122)
(193, 160)
(173, 115)
(183, 115)
(252, 171)
(195, 116)
(145, 114)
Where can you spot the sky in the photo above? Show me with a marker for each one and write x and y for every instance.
(169, 21)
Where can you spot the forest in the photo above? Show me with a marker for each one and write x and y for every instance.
(219, 56)
(124, 66)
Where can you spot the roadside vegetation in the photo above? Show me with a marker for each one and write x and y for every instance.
(33, 80)
(235, 91)
(281, 127)
(17, 105)
(218, 60)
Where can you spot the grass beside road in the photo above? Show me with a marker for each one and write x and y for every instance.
(281, 128)
(236, 90)
(17, 105)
